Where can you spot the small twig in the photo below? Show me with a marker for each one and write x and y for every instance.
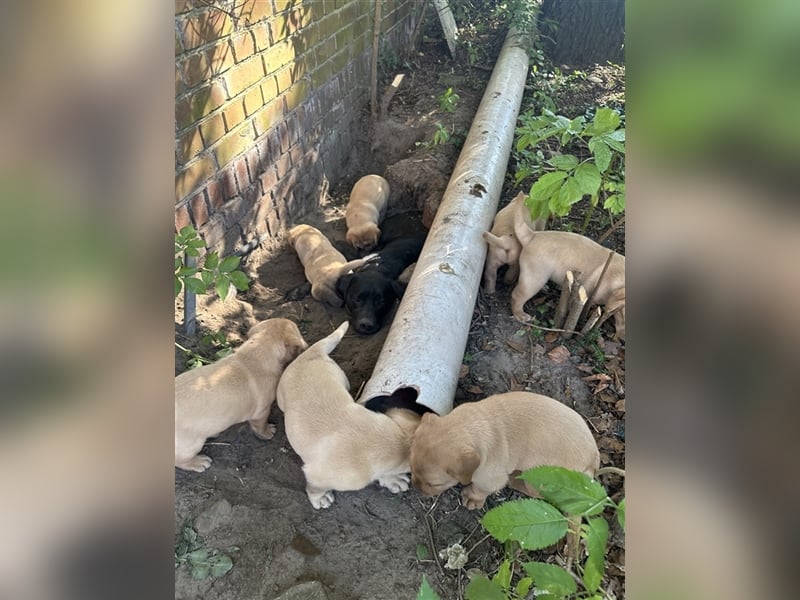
(599, 281)
(432, 542)
(478, 543)
(551, 328)
(611, 230)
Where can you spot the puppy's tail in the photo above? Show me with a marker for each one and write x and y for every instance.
(355, 264)
(327, 344)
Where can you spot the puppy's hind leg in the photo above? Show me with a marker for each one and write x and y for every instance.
(262, 429)
(527, 287)
(319, 498)
(197, 463)
(395, 483)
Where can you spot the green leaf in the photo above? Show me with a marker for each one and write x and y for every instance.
(192, 251)
(564, 162)
(576, 125)
(601, 153)
(611, 140)
(178, 262)
(572, 492)
(503, 575)
(570, 192)
(200, 571)
(480, 588)
(588, 178)
(538, 208)
(207, 277)
(615, 203)
(229, 264)
(195, 285)
(617, 136)
(240, 280)
(196, 243)
(212, 260)
(605, 120)
(223, 287)
(524, 586)
(596, 534)
(533, 523)
(546, 185)
(422, 552)
(187, 231)
(551, 579)
(621, 513)
(426, 592)
(187, 272)
(198, 555)
(178, 286)
(220, 565)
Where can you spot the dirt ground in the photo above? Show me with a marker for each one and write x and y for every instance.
(372, 544)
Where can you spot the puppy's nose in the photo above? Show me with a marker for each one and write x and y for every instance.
(366, 327)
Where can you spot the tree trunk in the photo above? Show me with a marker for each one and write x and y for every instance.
(579, 33)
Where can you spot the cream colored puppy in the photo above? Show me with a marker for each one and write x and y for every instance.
(504, 247)
(239, 387)
(344, 446)
(365, 211)
(485, 444)
(548, 255)
(323, 264)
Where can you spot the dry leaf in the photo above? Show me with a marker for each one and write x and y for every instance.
(516, 346)
(463, 372)
(620, 406)
(585, 368)
(600, 388)
(474, 389)
(597, 377)
(551, 337)
(559, 354)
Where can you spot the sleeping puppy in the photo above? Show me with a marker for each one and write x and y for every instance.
(365, 211)
(344, 446)
(484, 445)
(371, 291)
(504, 247)
(548, 255)
(323, 263)
(239, 387)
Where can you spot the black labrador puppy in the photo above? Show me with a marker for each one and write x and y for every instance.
(371, 291)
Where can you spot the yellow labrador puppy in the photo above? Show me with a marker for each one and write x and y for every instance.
(240, 387)
(548, 255)
(504, 247)
(344, 446)
(485, 444)
(323, 264)
(365, 211)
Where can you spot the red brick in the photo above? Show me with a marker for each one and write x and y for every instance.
(199, 209)
(227, 180)
(243, 46)
(179, 87)
(253, 165)
(242, 176)
(183, 113)
(269, 178)
(233, 114)
(215, 195)
(212, 129)
(182, 217)
(283, 165)
(296, 154)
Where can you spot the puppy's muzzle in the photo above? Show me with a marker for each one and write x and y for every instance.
(366, 326)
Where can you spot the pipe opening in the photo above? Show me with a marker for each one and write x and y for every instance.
(404, 397)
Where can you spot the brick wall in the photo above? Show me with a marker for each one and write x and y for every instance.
(268, 100)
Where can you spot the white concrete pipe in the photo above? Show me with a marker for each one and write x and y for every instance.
(421, 358)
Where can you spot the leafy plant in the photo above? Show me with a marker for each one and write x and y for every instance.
(213, 345)
(569, 497)
(211, 273)
(448, 100)
(201, 561)
(441, 135)
(426, 592)
(571, 159)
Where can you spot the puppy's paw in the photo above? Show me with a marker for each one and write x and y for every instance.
(323, 500)
(523, 317)
(264, 431)
(395, 483)
(472, 500)
(197, 463)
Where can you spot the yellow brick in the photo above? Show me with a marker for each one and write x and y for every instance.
(253, 100)
(192, 176)
(244, 75)
(278, 55)
(212, 129)
(269, 88)
(234, 143)
(189, 145)
(268, 116)
(296, 94)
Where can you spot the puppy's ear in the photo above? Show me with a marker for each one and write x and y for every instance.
(464, 466)
(343, 283)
